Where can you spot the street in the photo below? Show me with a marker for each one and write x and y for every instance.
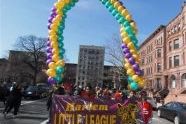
(31, 112)
(34, 112)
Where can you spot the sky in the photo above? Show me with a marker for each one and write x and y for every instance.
(88, 23)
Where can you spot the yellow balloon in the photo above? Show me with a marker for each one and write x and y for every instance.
(124, 34)
(55, 51)
(125, 12)
(116, 4)
(126, 40)
(135, 78)
(112, 1)
(67, 1)
(52, 65)
(120, 8)
(51, 72)
(136, 57)
(141, 84)
(55, 57)
(54, 44)
(61, 63)
(127, 65)
(52, 32)
(130, 45)
(130, 72)
(128, 17)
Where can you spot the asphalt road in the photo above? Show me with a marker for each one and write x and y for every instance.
(31, 112)
(34, 112)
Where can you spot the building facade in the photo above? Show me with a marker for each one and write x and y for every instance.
(19, 68)
(152, 55)
(3, 70)
(167, 67)
(175, 71)
(90, 65)
(70, 72)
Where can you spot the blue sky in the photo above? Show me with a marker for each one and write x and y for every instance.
(88, 23)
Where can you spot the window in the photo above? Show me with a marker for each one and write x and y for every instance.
(170, 62)
(170, 46)
(143, 61)
(158, 83)
(173, 81)
(176, 44)
(176, 60)
(158, 67)
(159, 53)
(183, 80)
(159, 41)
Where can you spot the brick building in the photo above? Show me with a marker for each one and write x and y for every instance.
(18, 68)
(163, 58)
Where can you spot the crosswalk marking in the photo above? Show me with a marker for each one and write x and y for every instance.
(44, 122)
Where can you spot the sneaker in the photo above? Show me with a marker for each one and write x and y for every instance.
(5, 113)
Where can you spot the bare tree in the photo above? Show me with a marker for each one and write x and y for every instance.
(115, 57)
(34, 48)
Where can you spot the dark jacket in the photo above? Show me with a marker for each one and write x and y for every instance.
(15, 97)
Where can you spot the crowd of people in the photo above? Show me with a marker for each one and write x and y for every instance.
(12, 96)
(121, 95)
(118, 94)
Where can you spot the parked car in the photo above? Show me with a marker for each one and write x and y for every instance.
(152, 102)
(37, 91)
(173, 111)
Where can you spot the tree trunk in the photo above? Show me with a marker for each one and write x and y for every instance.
(34, 77)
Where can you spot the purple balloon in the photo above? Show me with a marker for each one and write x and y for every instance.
(51, 80)
(128, 55)
(49, 54)
(50, 20)
(136, 67)
(131, 60)
(49, 50)
(49, 61)
(138, 73)
(123, 46)
(49, 57)
(48, 44)
(53, 9)
(126, 50)
(53, 15)
(48, 26)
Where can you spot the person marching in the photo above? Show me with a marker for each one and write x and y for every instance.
(13, 101)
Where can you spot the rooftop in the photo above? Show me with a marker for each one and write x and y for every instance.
(152, 35)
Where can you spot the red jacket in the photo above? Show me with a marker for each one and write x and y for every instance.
(146, 111)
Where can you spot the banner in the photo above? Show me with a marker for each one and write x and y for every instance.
(77, 110)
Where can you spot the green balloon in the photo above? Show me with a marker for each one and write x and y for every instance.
(114, 12)
(59, 70)
(110, 8)
(61, 56)
(58, 78)
(126, 24)
(134, 86)
(107, 4)
(121, 20)
(117, 16)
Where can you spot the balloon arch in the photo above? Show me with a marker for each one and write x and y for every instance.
(128, 31)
